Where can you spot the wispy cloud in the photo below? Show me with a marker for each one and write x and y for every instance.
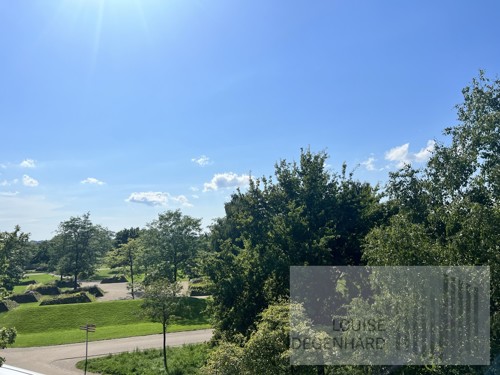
(202, 161)
(425, 153)
(157, 198)
(399, 154)
(369, 164)
(9, 183)
(27, 163)
(226, 180)
(92, 181)
(8, 193)
(29, 181)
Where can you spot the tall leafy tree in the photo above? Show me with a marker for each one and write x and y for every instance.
(309, 216)
(170, 244)
(79, 245)
(14, 251)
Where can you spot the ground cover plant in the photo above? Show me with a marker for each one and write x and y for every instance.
(184, 360)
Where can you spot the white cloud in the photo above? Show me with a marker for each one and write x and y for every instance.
(27, 163)
(368, 164)
(157, 198)
(202, 160)
(425, 153)
(8, 193)
(194, 196)
(29, 181)
(399, 154)
(9, 183)
(92, 181)
(182, 200)
(194, 188)
(226, 180)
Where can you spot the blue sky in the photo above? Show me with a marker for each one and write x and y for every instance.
(126, 108)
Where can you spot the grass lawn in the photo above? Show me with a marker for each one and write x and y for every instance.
(43, 278)
(59, 324)
(184, 360)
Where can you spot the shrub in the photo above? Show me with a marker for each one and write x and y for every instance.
(7, 305)
(94, 290)
(65, 283)
(201, 289)
(26, 282)
(27, 297)
(81, 297)
(46, 290)
(114, 279)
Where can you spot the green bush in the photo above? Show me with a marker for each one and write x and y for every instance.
(94, 290)
(81, 297)
(114, 279)
(46, 290)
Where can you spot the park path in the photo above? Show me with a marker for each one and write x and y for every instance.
(119, 291)
(61, 359)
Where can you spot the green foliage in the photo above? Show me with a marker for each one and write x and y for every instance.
(449, 213)
(308, 217)
(161, 301)
(7, 337)
(81, 297)
(170, 244)
(14, 250)
(79, 245)
(183, 360)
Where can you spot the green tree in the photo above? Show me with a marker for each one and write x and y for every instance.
(79, 245)
(7, 337)
(126, 256)
(309, 216)
(448, 213)
(170, 244)
(14, 250)
(161, 301)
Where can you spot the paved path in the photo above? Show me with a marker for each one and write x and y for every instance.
(61, 359)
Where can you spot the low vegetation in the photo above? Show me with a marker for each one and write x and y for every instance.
(185, 360)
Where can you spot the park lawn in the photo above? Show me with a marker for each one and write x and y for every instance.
(40, 278)
(182, 360)
(59, 324)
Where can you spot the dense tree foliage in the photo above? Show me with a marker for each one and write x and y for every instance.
(170, 245)
(79, 245)
(308, 217)
(14, 250)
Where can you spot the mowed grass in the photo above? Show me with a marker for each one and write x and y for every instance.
(184, 360)
(59, 324)
(42, 278)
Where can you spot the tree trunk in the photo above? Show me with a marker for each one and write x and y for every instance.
(165, 347)
(132, 277)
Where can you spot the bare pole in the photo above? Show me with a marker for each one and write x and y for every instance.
(86, 347)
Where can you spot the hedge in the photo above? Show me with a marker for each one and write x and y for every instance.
(81, 297)
(114, 279)
(26, 297)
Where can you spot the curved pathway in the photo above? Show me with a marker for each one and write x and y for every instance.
(61, 359)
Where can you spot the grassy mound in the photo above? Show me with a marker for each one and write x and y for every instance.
(59, 324)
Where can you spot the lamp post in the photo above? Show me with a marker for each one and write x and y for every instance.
(87, 328)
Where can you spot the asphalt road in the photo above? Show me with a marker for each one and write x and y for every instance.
(61, 359)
